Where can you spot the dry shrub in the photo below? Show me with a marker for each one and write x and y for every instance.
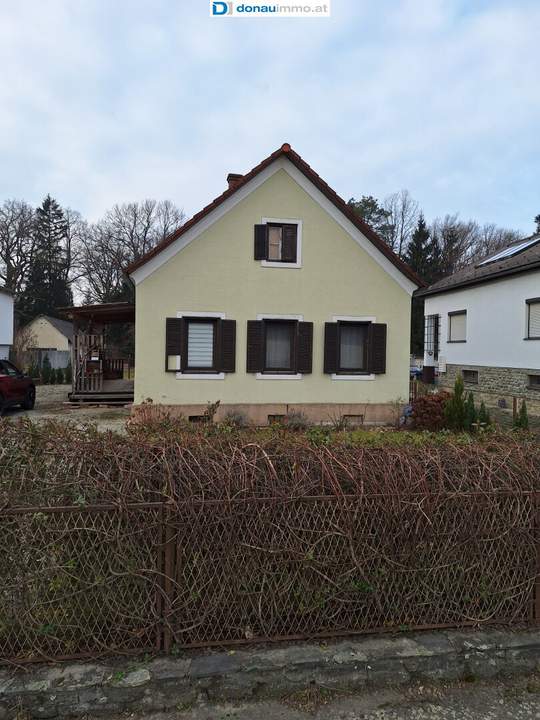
(428, 411)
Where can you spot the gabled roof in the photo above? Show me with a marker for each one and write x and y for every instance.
(485, 270)
(285, 151)
(63, 326)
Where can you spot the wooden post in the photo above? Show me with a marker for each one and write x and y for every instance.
(168, 584)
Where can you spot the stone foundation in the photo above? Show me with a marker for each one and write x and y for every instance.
(497, 386)
(163, 683)
(357, 414)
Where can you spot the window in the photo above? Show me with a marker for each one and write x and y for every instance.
(457, 326)
(200, 344)
(431, 336)
(533, 319)
(279, 345)
(534, 382)
(278, 242)
(8, 369)
(352, 347)
(470, 377)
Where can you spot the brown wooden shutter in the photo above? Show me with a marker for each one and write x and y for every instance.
(288, 243)
(261, 242)
(377, 348)
(173, 339)
(304, 357)
(331, 348)
(227, 345)
(255, 346)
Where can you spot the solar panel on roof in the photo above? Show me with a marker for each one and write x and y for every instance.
(509, 251)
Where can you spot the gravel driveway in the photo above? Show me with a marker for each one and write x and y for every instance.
(52, 404)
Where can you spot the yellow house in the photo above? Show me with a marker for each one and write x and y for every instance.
(275, 298)
(49, 333)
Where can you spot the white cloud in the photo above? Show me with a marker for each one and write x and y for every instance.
(106, 102)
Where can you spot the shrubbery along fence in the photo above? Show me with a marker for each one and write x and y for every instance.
(156, 542)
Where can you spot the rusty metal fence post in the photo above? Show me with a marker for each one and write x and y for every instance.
(168, 578)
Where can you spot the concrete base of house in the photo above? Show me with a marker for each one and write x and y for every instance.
(354, 414)
(497, 386)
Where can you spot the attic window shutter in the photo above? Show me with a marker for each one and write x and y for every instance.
(261, 242)
(377, 348)
(255, 346)
(331, 347)
(305, 347)
(173, 344)
(289, 243)
(227, 345)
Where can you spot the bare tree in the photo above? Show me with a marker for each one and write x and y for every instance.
(403, 212)
(124, 234)
(16, 243)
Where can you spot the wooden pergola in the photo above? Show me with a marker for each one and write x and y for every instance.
(97, 375)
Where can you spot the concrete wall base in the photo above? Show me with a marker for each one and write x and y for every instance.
(356, 414)
(162, 683)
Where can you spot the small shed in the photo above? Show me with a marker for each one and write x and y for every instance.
(103, 370)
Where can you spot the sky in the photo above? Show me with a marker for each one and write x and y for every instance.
(110, 101)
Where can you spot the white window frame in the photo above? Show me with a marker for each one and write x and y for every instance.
(353, 318)
(198, 376)
(456, 313)
(286, 221)
(268, 376)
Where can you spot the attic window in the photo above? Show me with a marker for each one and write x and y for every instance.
(277, 243)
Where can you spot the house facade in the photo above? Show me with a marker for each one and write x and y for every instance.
(6, 323)
(274, 299)
(46, 336)
(484, 323)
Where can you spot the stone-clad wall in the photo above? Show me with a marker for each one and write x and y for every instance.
(499, 383)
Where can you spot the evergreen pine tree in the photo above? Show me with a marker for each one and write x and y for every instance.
(418, 258)
(47, 287)
(68, 375)
(484, 418)
(522, 420)
(470, 413)
(454, 409)
(46, 370)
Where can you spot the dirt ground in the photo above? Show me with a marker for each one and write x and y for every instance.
(510, 700)
(52, 404)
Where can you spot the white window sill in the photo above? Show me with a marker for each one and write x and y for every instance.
(268, 376)
(288, 265)
(352, 377)
(200, 376)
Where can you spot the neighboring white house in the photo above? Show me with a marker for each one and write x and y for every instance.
(484, 322)
(6, 322)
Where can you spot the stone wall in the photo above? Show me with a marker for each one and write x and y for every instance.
(161, 683)
(497, 386)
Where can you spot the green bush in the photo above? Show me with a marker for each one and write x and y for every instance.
(59, 376)
(68, 375)
(471, 417)
(454, 409)
(484, 419)
(46, 370)
(52, 377)
(521, 421)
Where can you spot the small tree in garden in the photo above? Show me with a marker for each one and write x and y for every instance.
(52, 377)
(68, 375)
(59, 376)
(454, 409)
(46, 370)
(521, 421)
(484, 418)
(470, 413)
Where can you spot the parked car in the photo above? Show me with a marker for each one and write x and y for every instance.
(16, 388)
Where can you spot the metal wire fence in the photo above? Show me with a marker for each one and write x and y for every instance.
(254, 542)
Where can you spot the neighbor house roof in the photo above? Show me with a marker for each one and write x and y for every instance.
(115, 312)
(241, 180)
(518, 257)
(63, 326)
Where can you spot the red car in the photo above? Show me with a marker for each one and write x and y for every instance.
(16, 388)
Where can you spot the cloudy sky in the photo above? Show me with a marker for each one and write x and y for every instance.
(106, 101)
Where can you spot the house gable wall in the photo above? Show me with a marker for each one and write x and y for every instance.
(6, 320)
(47, 336)
(217, 273)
